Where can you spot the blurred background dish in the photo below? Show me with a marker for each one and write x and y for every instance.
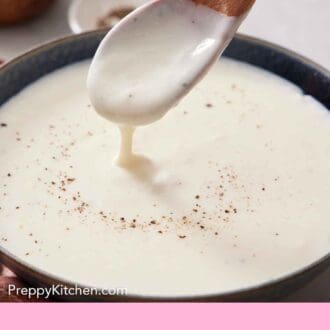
(86, 15)
(18, 11)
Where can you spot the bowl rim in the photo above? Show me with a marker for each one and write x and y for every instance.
(45, 278)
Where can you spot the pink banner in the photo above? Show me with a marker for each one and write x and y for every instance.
(165, 316)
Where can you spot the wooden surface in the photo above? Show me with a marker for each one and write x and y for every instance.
(6, 278)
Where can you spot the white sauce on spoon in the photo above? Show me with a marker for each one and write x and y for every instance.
(152, 59)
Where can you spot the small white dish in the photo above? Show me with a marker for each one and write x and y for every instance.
(87, 15)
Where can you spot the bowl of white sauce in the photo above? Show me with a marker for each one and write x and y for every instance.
(229, 200)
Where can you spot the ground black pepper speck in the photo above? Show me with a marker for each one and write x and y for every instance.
(62, 187)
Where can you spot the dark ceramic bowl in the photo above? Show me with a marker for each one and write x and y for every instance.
(313, 79)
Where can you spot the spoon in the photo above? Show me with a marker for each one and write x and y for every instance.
(154, 57)
(157, 54)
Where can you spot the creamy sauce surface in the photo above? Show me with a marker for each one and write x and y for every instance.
(230, 189)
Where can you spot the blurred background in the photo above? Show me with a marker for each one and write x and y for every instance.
(299, 25)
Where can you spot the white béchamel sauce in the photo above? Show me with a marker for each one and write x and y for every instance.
(152, 59)
(230, 189)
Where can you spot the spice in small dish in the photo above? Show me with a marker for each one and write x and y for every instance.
(113, 17)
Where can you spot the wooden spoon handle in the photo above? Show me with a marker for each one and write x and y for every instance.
(228, 7)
